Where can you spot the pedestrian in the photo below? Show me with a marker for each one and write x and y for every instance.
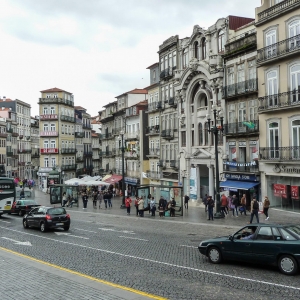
(210, 207)
(205, 202)
(84, 200)
(266, 206)
(165, 206)
(230, 206)
(105, 198)
(109, 197)
(243, 205)
(128, 204)
(161, 206)
(172, 207)
(224, 205)
(141, 206)
(22, 194)
(64, 199)
(99, 198)
(254, 210)
(186, 201)
(114, 192)
(152, 207)
(136, 204)
(235, 202)
(95, 196)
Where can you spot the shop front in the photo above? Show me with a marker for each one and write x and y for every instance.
(43, 174)
(131, 185)
(239, 184)
(281, 183)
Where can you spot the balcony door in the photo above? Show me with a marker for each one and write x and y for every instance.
(271, 44)
(296, 139)
(272, 88)
(295, 83)
(274, 140)
(294, 35)
(242, 117)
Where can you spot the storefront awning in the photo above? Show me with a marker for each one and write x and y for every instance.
(106, 177)
(113, 179)
(241, 185)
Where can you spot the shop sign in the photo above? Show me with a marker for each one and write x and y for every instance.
(130, 180)
(286, 169)
(231, 143)
(242, 144)
(280, 190)
(295, 192)
(241, 177)
(252, 142)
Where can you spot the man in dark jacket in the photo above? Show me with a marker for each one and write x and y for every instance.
(186, 201)
(84, 200)
(210, 207)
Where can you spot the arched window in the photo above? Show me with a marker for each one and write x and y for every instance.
(274, 139)
(203, 48)
(200, 133)
(221, 40)
(196, 52)
(184, 58)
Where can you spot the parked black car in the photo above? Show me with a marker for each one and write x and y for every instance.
(47, 217)
(258, 243)
(22, 207)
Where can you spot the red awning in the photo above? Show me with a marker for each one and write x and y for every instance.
(114, 179)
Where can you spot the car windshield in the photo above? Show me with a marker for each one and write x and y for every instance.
(29, 202)
(295, 229)
(57, 211)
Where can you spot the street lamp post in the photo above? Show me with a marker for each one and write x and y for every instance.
(217, 115)
(123, 169)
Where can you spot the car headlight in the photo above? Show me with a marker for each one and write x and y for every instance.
(201, 244)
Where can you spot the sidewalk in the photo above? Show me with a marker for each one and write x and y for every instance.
(195, 213)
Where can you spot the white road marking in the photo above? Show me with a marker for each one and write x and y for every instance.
(114, 230)
(86, 230)
(163, 263)
(127, 237)
(69, 234)
(17, 242)
(188, 246)
(4, 221)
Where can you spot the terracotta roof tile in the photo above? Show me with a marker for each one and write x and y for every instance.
(54, 90)
(135, 91)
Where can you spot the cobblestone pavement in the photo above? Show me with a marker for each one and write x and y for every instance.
(157, 256)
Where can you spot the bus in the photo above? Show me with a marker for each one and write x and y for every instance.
(7, 194)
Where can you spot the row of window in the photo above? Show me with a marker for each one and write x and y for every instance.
(23, 110)
(24, 121)
(241, 73)
(153, 97)
(132, 128)
(169, 152)
(167, 92)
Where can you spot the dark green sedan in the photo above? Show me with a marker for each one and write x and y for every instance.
(258, 243)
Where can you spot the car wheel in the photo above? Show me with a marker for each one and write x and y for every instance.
(214, 255)
(25, 223)
(66, 228)
(287, 265)
(42, 227)
(20, 213)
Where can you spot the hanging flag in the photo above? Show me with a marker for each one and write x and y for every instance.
(144, 175)
(250, 125)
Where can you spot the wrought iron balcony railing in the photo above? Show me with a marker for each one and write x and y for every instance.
(151, 130)
(88, 153)
(246, 127)
(236, 166)
(56, 100)
(168, 72)
(244, 87)
(24, 150)
(154, 152)
(68, 150)
(172, 101)
(35, 154)
(86, 126)
(280, 101)
(153, 174)
(67, 118)
(68, 167)
(167, 134)
(283, 48)
(107, 135)
(280, 153)
(3, 134)
(79, 134)
(154, 106)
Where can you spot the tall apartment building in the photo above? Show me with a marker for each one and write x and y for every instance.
(95, 149)
(79, 135)
(35, 146)
(3, 137)
(86, 140)
(57, 130)
(241, 125)
(153, 174)
(23, 112)
(278, 44)
(198, 89)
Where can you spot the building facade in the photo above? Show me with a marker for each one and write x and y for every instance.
(278, 29)
(3, 142)
(35, 146)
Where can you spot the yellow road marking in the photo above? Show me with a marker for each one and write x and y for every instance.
(86, 276)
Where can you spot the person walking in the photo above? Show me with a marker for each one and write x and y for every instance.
(128, 204)
(205, 202)
(152, 207)
(266, 206)
(136, 204)
(243, 205)
(64, 199)
(235, 202)
(95, 196)
(210, 207)
(84, 200)
(186, 201)
(161, 206)
(254, 210)
(105, 198)
(172, 207)
(224, 205)
(109, 197)
(141, 206)
(99, 198)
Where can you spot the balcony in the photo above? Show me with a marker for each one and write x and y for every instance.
(49, 151)
(172, 102)
(131, 173)
(286, 100)
(167, 73)
(88, 153)
(152, 130)
(9, 153)
(48, 117)
(101, 153)
(21, 163)
(161, 163)
(291, 153)
(49, 133)
(235, 166)
(89, 167)
(35, 153)
(3, 135)
(242, 128)
(276, 10)
(132, 135)
(78, 121)
(131, 155)
(282, 49)
(167, 134)
(15, 134)
(67, 118)
(116, 131)
(107, 153)
(56, 101)
(15, 156)
(87, 126)
(79, 159)
(95, 146)
(68, 151)
(153, 175)
(244, 87)
(79, 135)
(107, 135)
(9, 130)
(154, 152)
(68, 167)
(24, 151)
(174, 164)
(153, 106)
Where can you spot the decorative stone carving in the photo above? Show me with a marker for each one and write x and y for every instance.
(177, 96)
(183, 95)
(194, 64)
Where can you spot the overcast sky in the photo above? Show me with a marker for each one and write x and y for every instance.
(95, 49)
